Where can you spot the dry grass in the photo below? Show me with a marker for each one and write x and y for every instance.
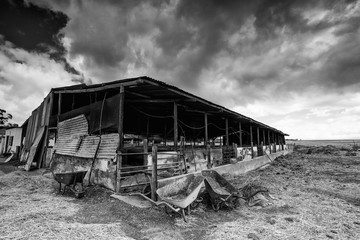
(315, 202)
(319, 198)
(31, 209)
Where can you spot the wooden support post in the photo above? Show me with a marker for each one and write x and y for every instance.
(257, 136)
(235, 150)
(59, 104)
(118, 171)
(274, 140)
(251, 142)
(240, 135)
(182, 153)
(121, 118)
(264, 141)
(269, 140)
(154, 183)
(208, 148)
(147, 128)
(206, 130)
(227, 131)
(145, 147)
(165, 135)
(175, 126)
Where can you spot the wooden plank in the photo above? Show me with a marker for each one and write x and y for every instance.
(257, 136)
(121, 118)
(154, 183)
(118, 172)
(175, 126)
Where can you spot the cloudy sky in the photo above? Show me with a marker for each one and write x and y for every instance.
(292, 64)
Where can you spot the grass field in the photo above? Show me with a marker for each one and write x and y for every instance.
(317, 191)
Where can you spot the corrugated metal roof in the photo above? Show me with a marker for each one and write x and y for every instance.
(163, 90)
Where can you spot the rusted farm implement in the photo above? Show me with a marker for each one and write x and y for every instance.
(72, 180)
(179, 194)
(221, 192)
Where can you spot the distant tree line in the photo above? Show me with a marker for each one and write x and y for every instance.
(5, 117)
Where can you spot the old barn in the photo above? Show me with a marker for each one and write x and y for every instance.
(113, 126)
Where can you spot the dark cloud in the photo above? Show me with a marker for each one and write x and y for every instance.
(179, 41)
(342, 66)
(33, 28)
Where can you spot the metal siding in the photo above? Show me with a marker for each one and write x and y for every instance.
(73, 140)
(74, 126)
(108, 146)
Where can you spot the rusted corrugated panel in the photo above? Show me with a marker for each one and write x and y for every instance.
(79, 146)
(108, 146)
(73, 140)
(74, 126)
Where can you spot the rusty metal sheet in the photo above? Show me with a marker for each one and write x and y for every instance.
(108, 146)
(73, 140)
(74, 126)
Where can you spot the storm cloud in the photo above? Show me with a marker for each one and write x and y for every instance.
(240, 54)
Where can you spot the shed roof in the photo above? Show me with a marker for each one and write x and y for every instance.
(149, 89)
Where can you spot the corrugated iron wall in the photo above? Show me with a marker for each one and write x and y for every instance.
(38, 120)
(75, 150)
(73, 140)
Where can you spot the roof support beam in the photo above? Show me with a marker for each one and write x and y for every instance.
(100, 88)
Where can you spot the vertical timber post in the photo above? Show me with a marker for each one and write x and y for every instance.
(121, 118)
(227, 131)
(251, 142)
(206, 130)
(118, 171)
(269, 140)
(235, 150)
(59, 112)
(121, 139)
(145, 141)
(208, 148)
(154, 173)
(175, 126)
(264, 141)
(240, 135)
(257, 136)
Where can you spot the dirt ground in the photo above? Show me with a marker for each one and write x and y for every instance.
(317, 191)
